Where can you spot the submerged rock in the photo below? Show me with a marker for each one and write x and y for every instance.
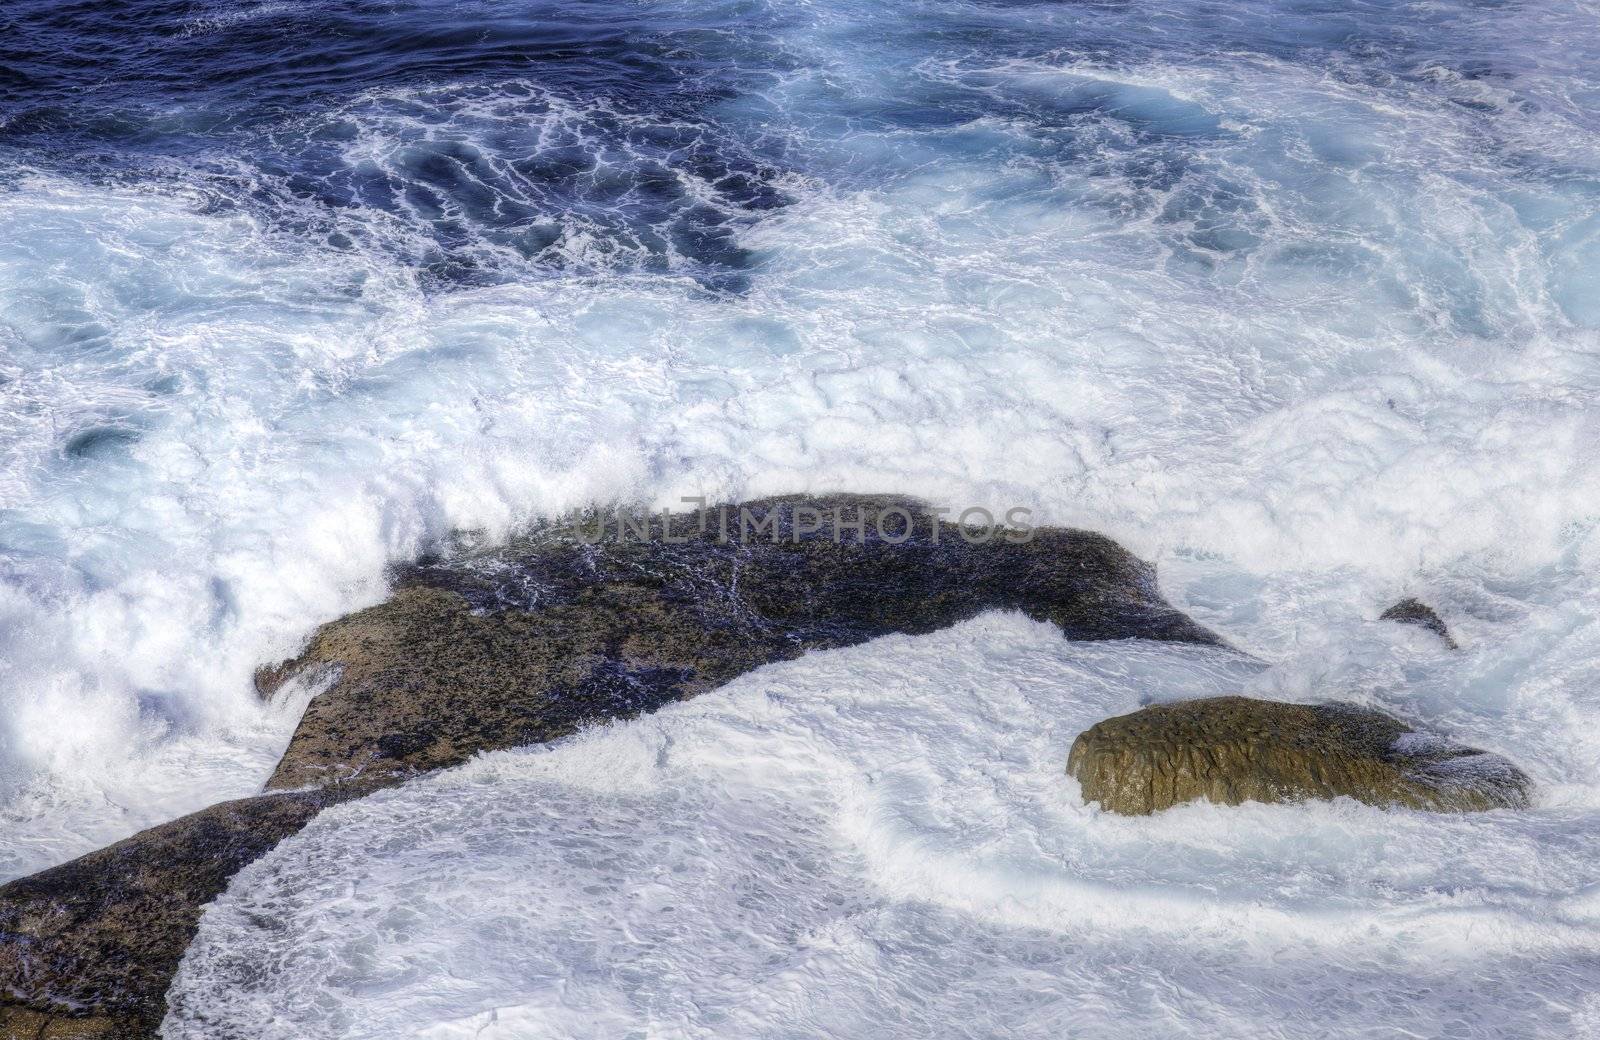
(1415, 612)
(494, 648)
(1238, 749)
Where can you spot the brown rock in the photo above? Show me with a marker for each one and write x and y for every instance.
(19, 1023)
(1237, 749)
(497, 648)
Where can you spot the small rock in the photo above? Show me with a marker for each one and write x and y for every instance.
(1238, 749)
(1415, 612)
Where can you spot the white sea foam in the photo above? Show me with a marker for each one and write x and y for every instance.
(881, 841)
(1302, 308)
(285, 421)
(1308, 337)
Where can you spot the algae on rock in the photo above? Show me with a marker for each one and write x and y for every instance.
(1238, 749)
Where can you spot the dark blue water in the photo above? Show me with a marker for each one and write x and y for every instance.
(261, 101)
(681, 127)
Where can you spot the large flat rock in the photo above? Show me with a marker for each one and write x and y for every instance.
(526, 642)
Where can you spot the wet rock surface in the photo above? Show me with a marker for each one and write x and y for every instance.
(527, 642)
(1237, 749)
(88, 948)
(1415, 612)
(487, 648)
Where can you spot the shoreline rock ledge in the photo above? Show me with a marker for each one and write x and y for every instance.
(1231, 750)
(494, 647)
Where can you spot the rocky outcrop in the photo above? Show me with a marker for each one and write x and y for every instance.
(481, 649)
(523, 643)
(1415, 612)
(1237, 749)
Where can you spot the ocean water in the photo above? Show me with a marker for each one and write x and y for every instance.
(879, 842)
(1299, 300)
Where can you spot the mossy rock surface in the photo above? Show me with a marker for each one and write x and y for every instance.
(487, 648)
(1231, 750)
